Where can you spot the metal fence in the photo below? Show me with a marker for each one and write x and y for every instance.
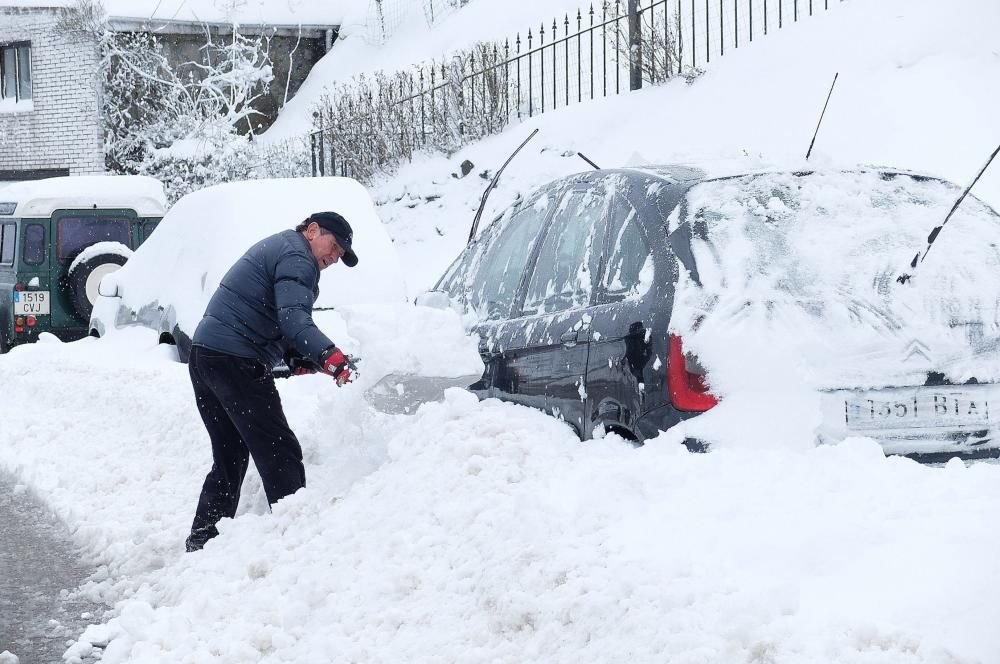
(605, 50)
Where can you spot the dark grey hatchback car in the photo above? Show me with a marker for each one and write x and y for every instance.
(582, 295)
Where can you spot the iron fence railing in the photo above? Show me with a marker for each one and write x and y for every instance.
(621, 45)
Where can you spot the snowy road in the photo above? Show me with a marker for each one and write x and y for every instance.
(38, 564)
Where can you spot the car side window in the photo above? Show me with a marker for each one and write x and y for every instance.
(630, 263)
(7, 242)
(570, 254)
(77, 233)
(147, 229)
(34, 244)
(499, 274)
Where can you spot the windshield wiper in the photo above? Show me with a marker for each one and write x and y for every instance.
(918, 259)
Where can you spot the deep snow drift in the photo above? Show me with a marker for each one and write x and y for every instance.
(486, 532)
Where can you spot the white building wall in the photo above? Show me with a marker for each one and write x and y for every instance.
(61, 127)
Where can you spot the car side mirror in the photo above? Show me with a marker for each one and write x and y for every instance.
(433, 299)
(108, 286)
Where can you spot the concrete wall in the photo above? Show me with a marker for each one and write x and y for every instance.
(60, 129)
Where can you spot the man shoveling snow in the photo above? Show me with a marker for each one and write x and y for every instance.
(260, 314)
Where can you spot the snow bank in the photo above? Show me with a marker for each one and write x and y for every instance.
(487, 532)
(205, 232)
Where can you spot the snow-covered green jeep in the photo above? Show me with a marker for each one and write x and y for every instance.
(58, 238)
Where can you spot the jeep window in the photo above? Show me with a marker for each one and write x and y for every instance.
(7, 242)
(499, 274)
(630, 264)
(570, 255)
(34, 244)
(15, 72)
(78, 233)
(147, 229)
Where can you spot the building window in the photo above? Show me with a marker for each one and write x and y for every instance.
(15, 72)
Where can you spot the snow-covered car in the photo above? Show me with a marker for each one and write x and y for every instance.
(168, 282)
(634, 300)
(58, 238)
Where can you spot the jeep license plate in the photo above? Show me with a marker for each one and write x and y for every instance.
(31, 303)
(950, 407)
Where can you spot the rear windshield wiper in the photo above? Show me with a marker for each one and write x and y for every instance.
(918, 258)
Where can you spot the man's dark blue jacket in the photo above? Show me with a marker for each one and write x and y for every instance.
(264, 304)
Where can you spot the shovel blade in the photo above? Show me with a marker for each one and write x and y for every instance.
(403, 393)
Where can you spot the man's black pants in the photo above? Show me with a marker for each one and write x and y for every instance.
(242, 411)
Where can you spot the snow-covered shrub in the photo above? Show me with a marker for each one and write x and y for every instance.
(375, 121)
(178, 122)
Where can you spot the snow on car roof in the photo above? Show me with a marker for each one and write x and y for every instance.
(40, 198)
(205, 233)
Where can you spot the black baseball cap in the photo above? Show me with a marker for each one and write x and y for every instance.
(341, 230)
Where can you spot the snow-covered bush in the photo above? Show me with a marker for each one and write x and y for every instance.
(373, 122)
(179, 122)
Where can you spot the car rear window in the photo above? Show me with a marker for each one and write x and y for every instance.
(821, 233)
(8, 240)
(77, 233)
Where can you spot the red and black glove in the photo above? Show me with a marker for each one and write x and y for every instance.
(338, 365)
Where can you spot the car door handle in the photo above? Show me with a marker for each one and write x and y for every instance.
(571, 337)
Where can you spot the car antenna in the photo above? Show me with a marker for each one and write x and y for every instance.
(493, 183)
(828, 95)
(584, 157)
(906, 276)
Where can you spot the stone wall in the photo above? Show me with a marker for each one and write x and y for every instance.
(60, 128)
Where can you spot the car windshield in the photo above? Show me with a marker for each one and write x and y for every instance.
(812, 259)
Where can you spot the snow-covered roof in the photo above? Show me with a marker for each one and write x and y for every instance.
(266, 12)
(40, 198)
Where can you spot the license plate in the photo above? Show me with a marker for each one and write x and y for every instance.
(946, 407)
(31, 303)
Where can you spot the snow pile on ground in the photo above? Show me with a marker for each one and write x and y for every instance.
(487, 532)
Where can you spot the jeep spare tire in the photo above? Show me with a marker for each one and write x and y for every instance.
(85, 278)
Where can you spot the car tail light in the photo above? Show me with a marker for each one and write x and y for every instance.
(686, 380)
(18, 286)
(32, 321)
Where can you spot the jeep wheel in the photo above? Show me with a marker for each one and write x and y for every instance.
(85, 279)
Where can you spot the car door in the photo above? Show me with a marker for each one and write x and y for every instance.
(630, 318)
(76, 231)
(544, 346)
(496, 281)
